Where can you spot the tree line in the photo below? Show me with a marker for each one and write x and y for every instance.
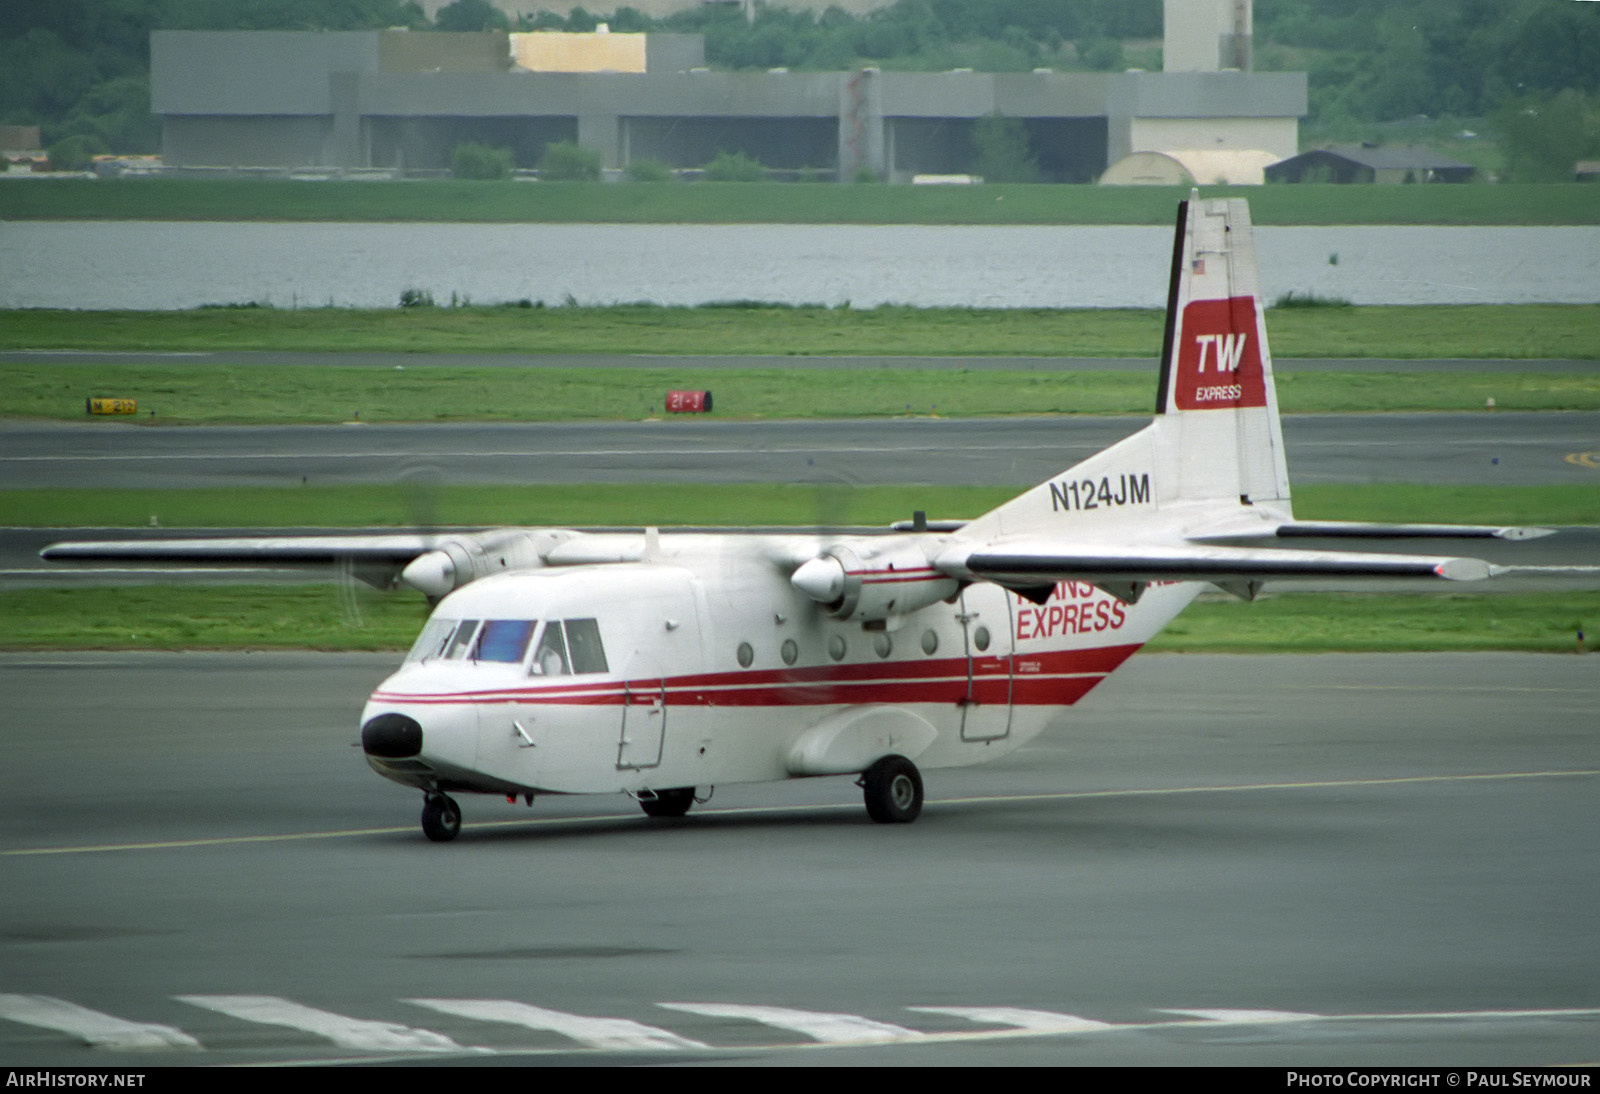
(1530, 68)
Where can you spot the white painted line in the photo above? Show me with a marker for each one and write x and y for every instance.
(1045, 1021)
(1249, 1016)
(91, 1026)
(818, 1025)
(355, 1033)
(606, 1033)
(1267, 1017)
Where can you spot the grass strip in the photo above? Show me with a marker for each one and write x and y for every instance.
(1385, 623)
(337, 617)
(717, 504)
(789, 203)
(582, 505)
(1512, 331)
(290, 394)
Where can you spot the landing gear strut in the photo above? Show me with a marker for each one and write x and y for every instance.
(441, 817)
(892, 788)
(668, 803)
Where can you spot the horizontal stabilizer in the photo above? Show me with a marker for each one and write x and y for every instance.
(1346, 529)
(1030, 565)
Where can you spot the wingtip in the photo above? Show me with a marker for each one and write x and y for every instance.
(1464, 569)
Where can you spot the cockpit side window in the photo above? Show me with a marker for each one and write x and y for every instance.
(583, 642)
(569, 646)
(433, 640)
(462, 642)
(550, 659)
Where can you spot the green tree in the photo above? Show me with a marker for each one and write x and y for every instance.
(1000, 150)
(735, 167)
(480, 161)
(75, 153)
(1543, 139)
(645, 169)
(470, 15)
(569, 162)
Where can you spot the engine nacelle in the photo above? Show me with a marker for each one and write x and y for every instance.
(864, 581)
(458, 560)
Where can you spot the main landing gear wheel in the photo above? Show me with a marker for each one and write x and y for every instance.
(893, 790)
(441, 818)
(668, 803)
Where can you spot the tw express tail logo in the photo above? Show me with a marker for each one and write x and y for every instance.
(1219, 356)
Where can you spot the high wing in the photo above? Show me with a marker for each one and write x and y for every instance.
(432, 563)
(1024, 564)
(309, 550)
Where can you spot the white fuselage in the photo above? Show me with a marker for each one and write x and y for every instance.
(706, 666)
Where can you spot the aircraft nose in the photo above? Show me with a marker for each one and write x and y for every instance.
(391, 736)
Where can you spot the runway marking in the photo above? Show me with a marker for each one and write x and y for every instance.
(389, 1041)
(1041, 1021)
(779, 810)
(957, 1037)
(1255, 1017)
(833, 1029)
(1590, 460)
(1452, 688)
(346, 1032)
(602, 1033)
(91, 1026)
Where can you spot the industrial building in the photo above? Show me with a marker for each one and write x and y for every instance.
(1371, 163)
(402, 100)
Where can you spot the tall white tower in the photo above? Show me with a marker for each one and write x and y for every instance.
(1205, 35)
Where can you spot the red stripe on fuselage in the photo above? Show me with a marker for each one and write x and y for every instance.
(1057, 677)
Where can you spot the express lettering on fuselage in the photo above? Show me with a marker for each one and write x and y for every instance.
(1074, 607)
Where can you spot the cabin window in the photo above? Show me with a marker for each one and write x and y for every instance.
(980, 638)
(462, 642)
(746, 654)
(583, 643)
(930, 641)
(790, 651)
(505, 640)
(433, 640)
(836, 647)
(882, 644)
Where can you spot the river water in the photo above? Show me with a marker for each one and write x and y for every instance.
(165, 265)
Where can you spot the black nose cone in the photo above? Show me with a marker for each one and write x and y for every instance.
(391, 736)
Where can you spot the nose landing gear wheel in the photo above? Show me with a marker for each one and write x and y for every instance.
(668, 803)
(441, 818)
(892, 788)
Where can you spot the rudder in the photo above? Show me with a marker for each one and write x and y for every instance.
(1216, 405)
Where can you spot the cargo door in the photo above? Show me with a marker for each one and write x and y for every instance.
(986, 633)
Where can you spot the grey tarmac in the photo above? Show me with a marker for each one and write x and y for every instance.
(1331, 860)
(1497, 448)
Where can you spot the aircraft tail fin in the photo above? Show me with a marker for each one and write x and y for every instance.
(1215, 441)
(1216, 396)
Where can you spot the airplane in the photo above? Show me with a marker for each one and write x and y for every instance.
(661, 665)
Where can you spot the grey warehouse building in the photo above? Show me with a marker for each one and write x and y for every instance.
(403, 100)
